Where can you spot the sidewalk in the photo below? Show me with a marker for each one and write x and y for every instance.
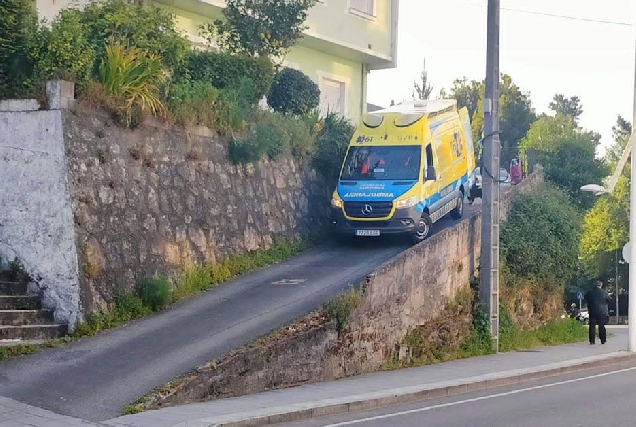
(353, 394)
(385, 388)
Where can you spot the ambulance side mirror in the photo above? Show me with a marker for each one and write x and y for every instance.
(429, 174)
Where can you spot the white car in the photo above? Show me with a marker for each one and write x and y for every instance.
(504, 177)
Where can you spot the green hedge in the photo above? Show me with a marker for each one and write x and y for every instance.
(292, 92)
(224, 70)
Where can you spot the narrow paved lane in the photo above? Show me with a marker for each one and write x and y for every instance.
(589, 398)
(93, 379)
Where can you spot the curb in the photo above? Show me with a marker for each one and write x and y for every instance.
(363, 402)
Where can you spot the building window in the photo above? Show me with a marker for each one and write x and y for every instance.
(332, 96)
(363, 6)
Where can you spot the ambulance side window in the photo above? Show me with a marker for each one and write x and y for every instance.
(429, 155)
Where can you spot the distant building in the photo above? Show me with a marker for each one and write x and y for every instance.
(346, 40)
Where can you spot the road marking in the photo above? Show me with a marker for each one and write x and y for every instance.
(289, 282)
(477, 399)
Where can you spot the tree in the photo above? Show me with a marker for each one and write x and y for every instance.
(423, 89)
(605, 230)
(293, 92)
(570, 107)
(465, 92)
(516, 116)
(18, 21)
(540, 239)
(259, 27)
(568, 155)
(621, 133)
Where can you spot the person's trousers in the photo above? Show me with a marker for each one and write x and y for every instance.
(601, 321)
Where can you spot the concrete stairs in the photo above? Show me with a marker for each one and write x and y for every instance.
(22, 319)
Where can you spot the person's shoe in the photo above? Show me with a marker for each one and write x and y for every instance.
(592, 343)
(603, 342)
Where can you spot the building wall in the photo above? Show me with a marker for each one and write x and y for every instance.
(337, 20)
(329, 72)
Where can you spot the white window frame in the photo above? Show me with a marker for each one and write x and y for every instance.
(372, 16)
(346, 83)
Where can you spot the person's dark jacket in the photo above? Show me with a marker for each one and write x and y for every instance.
(597, 300)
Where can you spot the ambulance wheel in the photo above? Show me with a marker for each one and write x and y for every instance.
(422, 229)
(458, 212)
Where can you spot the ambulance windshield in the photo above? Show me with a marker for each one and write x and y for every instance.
(382, 163)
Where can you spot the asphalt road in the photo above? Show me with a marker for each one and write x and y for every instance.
(95, 378)
(589, 398)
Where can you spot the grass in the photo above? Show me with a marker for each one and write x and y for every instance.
(339, 309)
(557, 332)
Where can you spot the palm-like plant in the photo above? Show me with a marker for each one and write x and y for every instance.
(133, 78)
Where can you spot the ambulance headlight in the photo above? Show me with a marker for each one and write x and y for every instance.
(410, 202)
(336, 203)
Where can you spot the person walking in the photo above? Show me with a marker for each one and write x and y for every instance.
(598, 310)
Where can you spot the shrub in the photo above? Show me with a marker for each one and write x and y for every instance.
(132, 78)
(540, 239)
(149, 28)
(331, 146)
(293, 92)
(64, 51)
(272, 134)
(193, 103)
(233, 107)
(156, 292)
(225, 71)
(18, 23)
(340, 308)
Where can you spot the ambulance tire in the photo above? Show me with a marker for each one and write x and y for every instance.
(458, 211)
(422, 230)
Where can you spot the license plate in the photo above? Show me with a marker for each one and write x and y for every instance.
(367, 232)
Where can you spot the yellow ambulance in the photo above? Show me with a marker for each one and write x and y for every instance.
(406, 167)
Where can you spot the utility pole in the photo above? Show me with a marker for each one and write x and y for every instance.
(631, 309)
(489, 262)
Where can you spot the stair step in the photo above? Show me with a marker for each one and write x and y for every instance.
(12, 288)
(32, 332)
(13, 343)
(26, 317)
(19, 302)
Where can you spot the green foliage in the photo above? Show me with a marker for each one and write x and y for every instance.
(569, 107)
(567, 154)
(605, 229)
(193, 103)
(18, 24)
(516, 116)
(64, 51)
(480, 340)
(272, 134)
(557, 332)
(225, 71)
(331, 146)
(515, 109)
(148, 28)
(621, 132)
(260, 27)
(293, 92)
(127, 307)
(133, 79)
(156, 292)
(234, 107)
(467, 93)
(339, 309)
(540, 239)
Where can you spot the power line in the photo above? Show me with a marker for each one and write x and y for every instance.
(556, 15)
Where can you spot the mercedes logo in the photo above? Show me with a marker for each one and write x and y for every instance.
(366, 209)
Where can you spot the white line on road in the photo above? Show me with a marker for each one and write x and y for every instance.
(476, 399)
